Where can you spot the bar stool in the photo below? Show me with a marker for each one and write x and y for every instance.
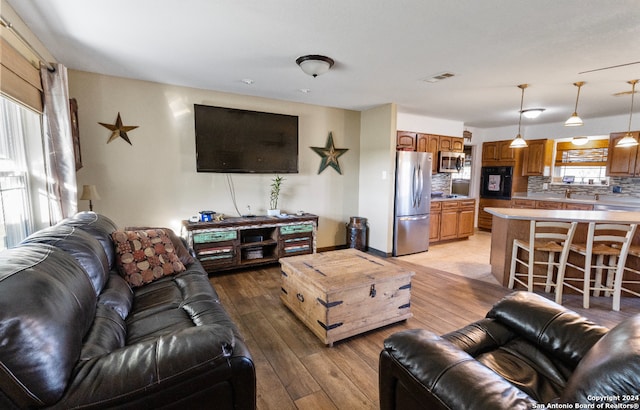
(634, 250)
(550, 237)
(609, 243)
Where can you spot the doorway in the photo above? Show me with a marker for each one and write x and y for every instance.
(461, 181)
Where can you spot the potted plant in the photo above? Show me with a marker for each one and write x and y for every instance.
(275, 193)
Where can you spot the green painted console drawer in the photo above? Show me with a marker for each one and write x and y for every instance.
(205, 237)
(289, 229)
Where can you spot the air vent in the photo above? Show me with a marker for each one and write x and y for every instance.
(439, 77)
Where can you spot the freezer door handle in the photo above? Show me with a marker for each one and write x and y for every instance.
(413, 218)
(421, 184)
(414, 188)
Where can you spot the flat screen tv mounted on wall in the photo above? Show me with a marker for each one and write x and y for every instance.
(241, 141)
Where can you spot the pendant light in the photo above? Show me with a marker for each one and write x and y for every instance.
(518, 141)
(575, 120)
(628, 140)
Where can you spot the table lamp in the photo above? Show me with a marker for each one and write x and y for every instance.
(89, 192)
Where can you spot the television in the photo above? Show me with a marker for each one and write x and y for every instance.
(230, 140)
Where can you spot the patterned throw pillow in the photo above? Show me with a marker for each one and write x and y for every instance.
(145, 255)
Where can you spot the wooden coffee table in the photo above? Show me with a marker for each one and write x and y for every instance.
(343, 293)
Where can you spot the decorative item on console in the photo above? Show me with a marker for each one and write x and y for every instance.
(275, 193)
(206, 216)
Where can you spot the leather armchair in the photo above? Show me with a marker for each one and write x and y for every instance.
(528, 352)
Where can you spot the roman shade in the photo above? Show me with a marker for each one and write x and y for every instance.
(20, 78)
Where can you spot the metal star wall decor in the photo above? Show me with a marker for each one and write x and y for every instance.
(330, 155)
(119, 130)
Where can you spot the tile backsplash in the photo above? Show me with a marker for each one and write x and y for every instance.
(629, 187)
(441, 182)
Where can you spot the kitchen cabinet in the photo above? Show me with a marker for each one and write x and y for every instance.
(579, 207)
(449, 220)
(484, 218)
(523, 203)
(537, 157)
(451, 144)
(623, 161)
(549, 205)
(542, 204)
(406, 141)
(452, 219)
(434, 223)
(429, 143)
(466, 218)
(498, 153)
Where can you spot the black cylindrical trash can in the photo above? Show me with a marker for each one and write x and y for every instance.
(357, 233)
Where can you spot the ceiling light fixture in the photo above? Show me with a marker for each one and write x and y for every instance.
(532, 113)
(628, 140)
(314, 64)
(518, 141)
(579, 140)
(575, 120)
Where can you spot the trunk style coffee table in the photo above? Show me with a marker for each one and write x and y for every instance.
(343, 293)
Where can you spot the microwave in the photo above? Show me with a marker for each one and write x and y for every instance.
(450, 161)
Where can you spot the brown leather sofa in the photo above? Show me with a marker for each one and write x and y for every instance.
(74, 334)
(527, 353)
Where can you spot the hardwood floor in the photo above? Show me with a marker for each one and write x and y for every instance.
(296, 370)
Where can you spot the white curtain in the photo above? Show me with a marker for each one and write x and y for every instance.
(58, 144)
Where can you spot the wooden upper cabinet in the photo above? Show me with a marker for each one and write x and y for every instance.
(497, 151)
(457, 144)
(506, 152)
(406, 141)
(489, 151)
(622, 161)
(430, 143)
(422, 142)
(537, 158)
(451, 144)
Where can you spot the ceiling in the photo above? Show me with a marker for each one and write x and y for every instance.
(383, 51)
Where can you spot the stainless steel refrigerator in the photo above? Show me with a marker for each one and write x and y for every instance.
(412, 202)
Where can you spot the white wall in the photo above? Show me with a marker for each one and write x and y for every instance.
(154, 181)
(429, 125)
(530, 130)
(377, 174)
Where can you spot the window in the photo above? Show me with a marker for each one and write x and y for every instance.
(585, 164)
(23, 206)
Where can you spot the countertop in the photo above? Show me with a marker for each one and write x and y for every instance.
(451, 198)
(604, 200)
(565, 215)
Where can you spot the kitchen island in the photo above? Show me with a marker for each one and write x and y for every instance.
(513, 223)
